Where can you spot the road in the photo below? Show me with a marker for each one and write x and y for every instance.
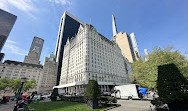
(134, 105)
(8, 106)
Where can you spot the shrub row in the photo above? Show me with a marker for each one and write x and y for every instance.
(102, 99)
(107, 100)
(72, 98)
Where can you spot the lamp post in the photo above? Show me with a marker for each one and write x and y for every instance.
(23, 80)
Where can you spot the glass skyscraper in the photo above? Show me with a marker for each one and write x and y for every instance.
(68, 28)
(7, 21)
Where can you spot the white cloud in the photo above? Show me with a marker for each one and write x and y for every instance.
(3, 5)
(11, 42)
(62, 2)
(12, 48)
(26, 6)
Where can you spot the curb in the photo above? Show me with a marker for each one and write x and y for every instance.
(115, 106)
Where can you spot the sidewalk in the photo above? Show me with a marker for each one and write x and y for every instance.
(8, 106)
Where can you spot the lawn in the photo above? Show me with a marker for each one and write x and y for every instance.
(62, 106)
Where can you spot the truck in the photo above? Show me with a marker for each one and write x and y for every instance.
(129, 91)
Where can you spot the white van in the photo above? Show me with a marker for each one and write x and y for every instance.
(129, 91)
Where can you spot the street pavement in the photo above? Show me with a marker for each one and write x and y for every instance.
(134, 105)
(8, 106)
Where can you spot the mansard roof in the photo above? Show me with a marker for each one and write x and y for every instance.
(22, 64)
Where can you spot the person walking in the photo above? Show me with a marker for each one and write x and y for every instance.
(38, 98)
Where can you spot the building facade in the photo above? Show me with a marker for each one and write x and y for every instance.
(7, 21)
(146, 55)
(49, 77)
(135, 46)
(17, 70)
(68, 28)
(90, 55)
(33, 56)
(124, 42)
(44, 75)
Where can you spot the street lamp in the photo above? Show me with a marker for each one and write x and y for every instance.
(23, 80)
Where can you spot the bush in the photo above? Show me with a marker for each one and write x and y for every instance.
(171, 85)
(72, 98)
(107, 100)
(54, 94)
(92, 94)
(92, 90)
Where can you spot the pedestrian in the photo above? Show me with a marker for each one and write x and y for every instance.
(38, 98)
(28, 99)
(154, 95)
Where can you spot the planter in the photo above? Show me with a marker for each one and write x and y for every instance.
(53, 98)
(92, 103)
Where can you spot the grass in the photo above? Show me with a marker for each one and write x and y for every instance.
(62, 106)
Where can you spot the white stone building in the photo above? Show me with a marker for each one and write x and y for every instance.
(90, 55)
(48, 79)
(17, 70)
(45, 75)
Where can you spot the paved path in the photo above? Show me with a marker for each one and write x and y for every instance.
(8, 106)
(134, 105)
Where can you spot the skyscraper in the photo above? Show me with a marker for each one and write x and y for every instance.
(114, 26)
(124, 42)
(68, 28)
(146, 54)
(35, 51)
(7, 21)
(135, 46)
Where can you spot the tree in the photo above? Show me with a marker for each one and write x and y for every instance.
(91, 94)
(171, 85)
(54, 94)
(146, 72)
(5, 83)
(29, 85)
(16, 84)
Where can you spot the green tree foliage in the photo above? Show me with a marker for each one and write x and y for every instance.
(16, 84)
(146, 72)
(54, 94)
(29, 85)
(171, 84)
(92, 90)
(5, 83)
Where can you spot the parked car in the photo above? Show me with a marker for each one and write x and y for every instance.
(106, 93)
(46, 96)
(4, 100)
(12, 98)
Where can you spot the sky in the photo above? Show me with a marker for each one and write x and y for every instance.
(154, 22)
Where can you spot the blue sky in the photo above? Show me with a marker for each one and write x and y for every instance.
(154, 22)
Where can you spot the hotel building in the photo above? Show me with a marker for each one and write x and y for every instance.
(90, 55)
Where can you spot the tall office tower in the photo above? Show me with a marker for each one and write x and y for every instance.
(7, 21)
(68, 28)
(35, 51)
(135, 46)
(114, 26)
(146, 54)
(124, 42)
(90, 55)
